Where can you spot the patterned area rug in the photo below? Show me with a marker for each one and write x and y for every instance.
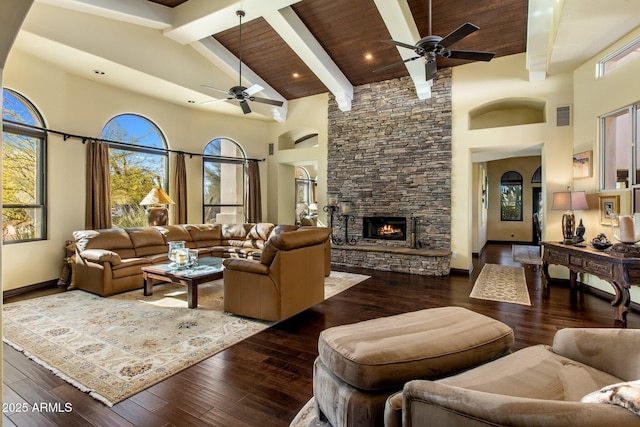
(526, 254)
(502, 283)
(115, 347)
(308, 417)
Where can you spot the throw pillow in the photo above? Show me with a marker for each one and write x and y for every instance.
(260, 231)
(625, 394)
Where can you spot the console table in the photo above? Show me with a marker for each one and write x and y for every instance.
(619, 271)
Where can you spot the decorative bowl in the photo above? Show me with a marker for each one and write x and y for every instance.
(601, 242)
(601, 246)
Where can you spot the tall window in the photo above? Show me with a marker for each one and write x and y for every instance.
(137, 166)
(24, 150)
(620, 154)
(511, 196)
(224, 182)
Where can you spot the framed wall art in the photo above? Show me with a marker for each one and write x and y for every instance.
(608, 205)
(583, 165)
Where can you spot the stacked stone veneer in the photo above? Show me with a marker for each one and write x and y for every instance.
(391, 156)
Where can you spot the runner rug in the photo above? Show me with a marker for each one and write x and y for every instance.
(502, 283)
(118, 346)
(526, 254)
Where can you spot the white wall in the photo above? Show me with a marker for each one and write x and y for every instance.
(307, 113)
(593, 98)
(477, 84)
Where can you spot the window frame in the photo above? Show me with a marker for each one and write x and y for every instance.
(241, 161)
(162, 152)
(632, 151)
(621, 54)
(40, 134)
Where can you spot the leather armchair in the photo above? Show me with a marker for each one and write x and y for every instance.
(535, 386)
(288, 278)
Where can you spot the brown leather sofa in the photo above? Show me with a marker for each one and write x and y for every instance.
(287, 279)
(109, 261)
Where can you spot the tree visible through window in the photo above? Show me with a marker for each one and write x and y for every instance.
(511, 196)
(224, 181)
(136, 167)
(23, 171)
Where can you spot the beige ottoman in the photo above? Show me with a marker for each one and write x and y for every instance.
(362, 364)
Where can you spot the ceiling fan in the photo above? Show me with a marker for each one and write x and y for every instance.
(431, 46)
(240, 93)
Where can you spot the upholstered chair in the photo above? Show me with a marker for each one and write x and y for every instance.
(535, 386)
(288, 278)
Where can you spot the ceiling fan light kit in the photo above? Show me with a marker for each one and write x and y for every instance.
(431, 46)
(241, 93)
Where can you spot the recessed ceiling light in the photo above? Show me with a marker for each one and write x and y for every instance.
(98, 72)
(368, 56)
(191, 101)
(295, 75)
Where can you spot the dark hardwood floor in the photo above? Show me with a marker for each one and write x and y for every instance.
(265, 379)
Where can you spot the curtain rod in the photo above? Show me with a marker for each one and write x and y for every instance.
(66, 135)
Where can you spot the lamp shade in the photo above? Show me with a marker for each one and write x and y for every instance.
(157, 196)
(570, 200)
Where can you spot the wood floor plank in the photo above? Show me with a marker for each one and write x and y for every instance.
(264, 380)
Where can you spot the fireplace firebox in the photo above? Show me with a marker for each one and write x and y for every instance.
(384, 227)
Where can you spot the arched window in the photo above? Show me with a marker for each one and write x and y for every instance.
(304, 186)
(137, 166)
(536, 178)
(24, 160)
(511, 196)
(223, 182)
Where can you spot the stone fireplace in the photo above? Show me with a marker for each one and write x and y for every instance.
(390, 156)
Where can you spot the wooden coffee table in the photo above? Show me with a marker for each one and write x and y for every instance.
(207, 270)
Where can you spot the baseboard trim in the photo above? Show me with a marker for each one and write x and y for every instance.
(510, 242)
(29, 288)
(460, 271)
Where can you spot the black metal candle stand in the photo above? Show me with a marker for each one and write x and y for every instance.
(345, 218)
(331, 209)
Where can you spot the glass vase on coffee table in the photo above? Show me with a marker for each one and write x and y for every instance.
(173, 248)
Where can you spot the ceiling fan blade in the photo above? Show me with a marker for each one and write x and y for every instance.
(408, 46)
(430, 70)
(463, 31)
(213, 101)
(245, 107)
(386, 67)
(267, 101)
(471, 55)
(253, 89)
(215, 89)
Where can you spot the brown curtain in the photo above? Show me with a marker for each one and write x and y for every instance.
(98, 212)
(180, 209)
(254, 199)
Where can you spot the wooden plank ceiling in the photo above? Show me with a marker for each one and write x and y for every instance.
(349, 30)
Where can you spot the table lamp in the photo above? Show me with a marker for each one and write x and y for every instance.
(568, 201)
(156, 213)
